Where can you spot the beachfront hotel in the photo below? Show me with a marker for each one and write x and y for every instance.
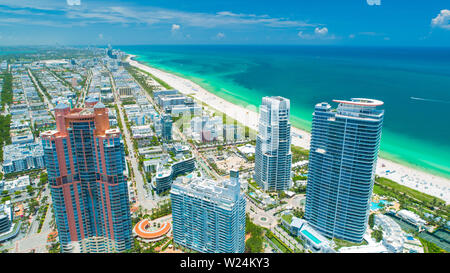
(209, 216)
(273, 157)
(85, 162)
(342, 160)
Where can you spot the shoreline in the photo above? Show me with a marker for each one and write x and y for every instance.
(422, 181)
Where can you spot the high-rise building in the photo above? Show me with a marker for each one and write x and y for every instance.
(342, 160)
(273, 157)
(209, 216)
(166, 124)
(85, 162)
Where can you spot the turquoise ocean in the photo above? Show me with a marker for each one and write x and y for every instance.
(414, 84)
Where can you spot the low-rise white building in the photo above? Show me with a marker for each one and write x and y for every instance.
(411, 217)
(18, 184)
(393, 236)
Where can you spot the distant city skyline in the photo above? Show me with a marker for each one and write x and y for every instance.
(356, 22)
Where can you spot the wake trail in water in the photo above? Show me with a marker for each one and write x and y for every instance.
(430, 100)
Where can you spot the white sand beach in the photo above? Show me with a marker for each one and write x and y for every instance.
(248, 115)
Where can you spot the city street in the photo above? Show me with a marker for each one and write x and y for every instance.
(141, 192)
(50, 106)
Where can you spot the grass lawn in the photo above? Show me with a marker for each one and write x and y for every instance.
(343, 243)
(423, 197)
(287, 218)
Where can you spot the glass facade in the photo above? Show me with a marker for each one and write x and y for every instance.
(342, 160)
(166, 124)
(209, 216)
(85, 162)
(273, 157)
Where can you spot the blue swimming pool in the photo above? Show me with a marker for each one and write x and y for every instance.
(376, 206)
(310, 236)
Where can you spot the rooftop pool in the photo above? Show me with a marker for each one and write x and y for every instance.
(310, 236)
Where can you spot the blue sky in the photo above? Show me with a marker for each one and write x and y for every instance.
(345, 22)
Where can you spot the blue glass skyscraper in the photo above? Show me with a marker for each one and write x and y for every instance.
(342, 161)
(209, 216)
(273, 157)
(166, 124)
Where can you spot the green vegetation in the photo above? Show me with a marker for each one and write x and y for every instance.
(299, 154)
(54, 248)
(389, 185)
(7, 93)
(298, 212)
(253, 183)
(140, 79)
(162, 210)
(119, 123)
(32, 204)
(413, 200)
(281, 245)
(254, 244)
(371, 220)
(42, 87)
(163, 83)
(343, 243)
(43, 178)
(299, 177)
(299, 190)
(42, 213)
(430, 247)
(377, 234)
(133, 70)
(139, 247)
(287, 217)
(5, 137)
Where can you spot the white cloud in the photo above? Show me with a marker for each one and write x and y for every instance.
(373, 2)
(321, 31)
(442, 20)
(304, 35)
(319, 34)
(73, 2)
(71, 13)
(351, 36)
(100, 36)
(175, 27)
(220, 35)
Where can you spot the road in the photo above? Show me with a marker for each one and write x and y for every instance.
(142, 194)
(204, 165)
(34, 240)
(85, 89)
(50, 105)
(268, 219)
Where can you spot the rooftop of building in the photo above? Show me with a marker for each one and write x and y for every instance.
(361, 102)
(225, 191)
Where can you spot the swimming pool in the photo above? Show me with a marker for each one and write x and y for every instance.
(376, 206)
(310, 236)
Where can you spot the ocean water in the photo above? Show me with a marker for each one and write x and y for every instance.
(414, 84)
